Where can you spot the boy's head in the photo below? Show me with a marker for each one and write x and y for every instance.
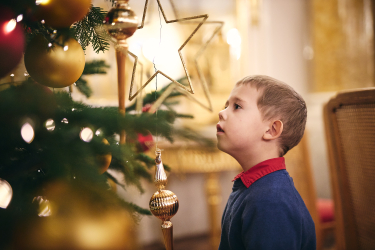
(259, 105)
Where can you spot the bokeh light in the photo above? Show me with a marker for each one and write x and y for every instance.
(44, 206)
(10, 26)
(6, 193)
(86, 134)
(27, 132)
(50, 125)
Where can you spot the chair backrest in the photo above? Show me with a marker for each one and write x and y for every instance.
(298, 166)
(350, 129)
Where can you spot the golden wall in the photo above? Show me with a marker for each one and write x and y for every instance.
(342, 34)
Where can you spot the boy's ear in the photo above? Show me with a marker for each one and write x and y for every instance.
(274, 131)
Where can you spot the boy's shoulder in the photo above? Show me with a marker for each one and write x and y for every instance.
(273, 189)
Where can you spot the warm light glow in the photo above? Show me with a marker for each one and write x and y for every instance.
(50, 125)
(65, 121)
(65, 47)
(50, 45)
(27, 133)
(42, 2)
(10, 26)
(86, 134)
(6, 193)
(234, 40)
(98, 132)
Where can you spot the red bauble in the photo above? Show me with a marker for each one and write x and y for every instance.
(146, 142)
(12, 41)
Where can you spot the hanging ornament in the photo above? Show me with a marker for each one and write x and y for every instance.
(12, 41)
(163, 203)
(104, 160)
(121, 21)
(61, 13)
(188, 88)
(54, 66)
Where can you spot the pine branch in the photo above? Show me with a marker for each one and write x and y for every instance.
(86, 30)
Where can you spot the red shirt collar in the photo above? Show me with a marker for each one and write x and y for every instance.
(261, 169)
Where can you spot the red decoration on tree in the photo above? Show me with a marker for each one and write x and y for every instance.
(12, 41)
(146, 142)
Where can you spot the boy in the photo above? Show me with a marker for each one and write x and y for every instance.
(263, 119)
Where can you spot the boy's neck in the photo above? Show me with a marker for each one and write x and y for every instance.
(249, 161)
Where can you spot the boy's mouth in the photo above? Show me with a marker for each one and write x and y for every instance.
(219, 129)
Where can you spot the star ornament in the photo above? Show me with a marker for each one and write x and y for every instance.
(177, 85)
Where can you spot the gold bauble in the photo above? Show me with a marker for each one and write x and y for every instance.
(164, 204)
(104, 160)
(58, 66)
(121, 22)
(62, 13)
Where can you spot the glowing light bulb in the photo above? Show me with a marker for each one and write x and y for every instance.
(64, 120)
(86, 134)
(43, 22)
(65, 47)
(27, 132)
(10, 26)
(6, 193)
(50, 45)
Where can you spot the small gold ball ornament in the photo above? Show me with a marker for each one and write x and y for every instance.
(104, 160)
(164, 204)
(62, 13)
(57, 66)
(121, 21)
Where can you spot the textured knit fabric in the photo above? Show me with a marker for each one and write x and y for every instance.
(268, 214)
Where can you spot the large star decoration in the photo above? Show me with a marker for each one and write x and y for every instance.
(201, 50)
(175, 84)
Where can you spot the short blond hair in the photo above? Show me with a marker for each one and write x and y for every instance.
(277, 100)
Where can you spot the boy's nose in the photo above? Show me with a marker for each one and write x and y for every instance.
(222, 115)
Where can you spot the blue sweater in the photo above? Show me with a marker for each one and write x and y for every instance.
(270, 214)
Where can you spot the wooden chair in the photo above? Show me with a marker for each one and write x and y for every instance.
(298, 165)
(350, 130)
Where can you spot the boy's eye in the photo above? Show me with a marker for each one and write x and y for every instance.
(236, 106)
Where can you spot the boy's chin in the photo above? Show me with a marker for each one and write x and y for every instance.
(221, 147)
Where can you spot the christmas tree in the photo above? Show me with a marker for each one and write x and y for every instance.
(55, 151)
